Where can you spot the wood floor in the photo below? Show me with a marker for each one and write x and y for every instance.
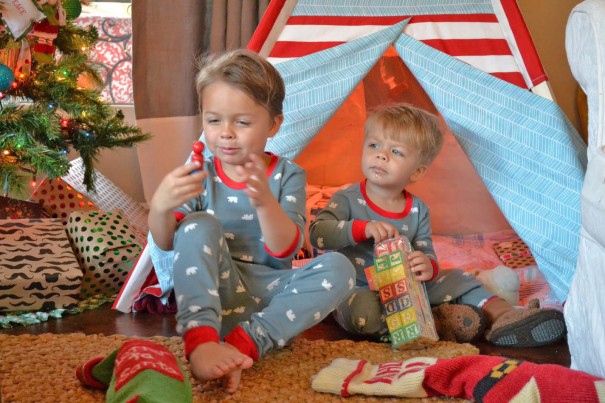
(107, 321)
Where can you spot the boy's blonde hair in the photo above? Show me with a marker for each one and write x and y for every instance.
(414, 126)
(246, 71)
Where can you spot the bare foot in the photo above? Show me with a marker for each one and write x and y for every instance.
(213, 361)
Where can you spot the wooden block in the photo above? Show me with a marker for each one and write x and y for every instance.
(404, 299)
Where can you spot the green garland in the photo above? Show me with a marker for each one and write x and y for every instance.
(26, 318)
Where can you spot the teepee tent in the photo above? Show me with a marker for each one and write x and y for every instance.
(512, 158)
(478, 67)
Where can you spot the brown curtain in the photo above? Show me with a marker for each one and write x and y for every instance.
(234, 22)
(167, 39)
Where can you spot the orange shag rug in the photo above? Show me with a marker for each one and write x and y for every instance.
(42, 368)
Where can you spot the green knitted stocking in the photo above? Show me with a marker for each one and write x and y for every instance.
(139, 371)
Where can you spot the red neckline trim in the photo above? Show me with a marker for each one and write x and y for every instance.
(241, 185)
(388, 214)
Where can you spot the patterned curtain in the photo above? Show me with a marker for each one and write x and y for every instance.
(167, 39)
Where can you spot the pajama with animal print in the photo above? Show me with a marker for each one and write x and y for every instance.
(225, 277)
(338, 228)
(272, 306)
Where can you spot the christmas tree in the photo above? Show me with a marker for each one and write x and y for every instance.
(44, 113)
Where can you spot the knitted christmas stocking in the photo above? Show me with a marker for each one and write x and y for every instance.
(139, 371)
(479, 378)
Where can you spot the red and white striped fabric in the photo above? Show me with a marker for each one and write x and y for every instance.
(497, 43)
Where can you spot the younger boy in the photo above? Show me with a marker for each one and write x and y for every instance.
(400, 143)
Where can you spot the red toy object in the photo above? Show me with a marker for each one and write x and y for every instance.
(198, 149)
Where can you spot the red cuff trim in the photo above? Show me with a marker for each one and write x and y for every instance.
(84, 374)
(435, 269)
(179, 216)
(289, 250)
(240, 340)
(359, 230)
(344, 390)
(488, 301)
(199, 335)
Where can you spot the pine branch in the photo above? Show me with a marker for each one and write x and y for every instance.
(33, 135)
(72, 38)
(59, 115)
(11, 177)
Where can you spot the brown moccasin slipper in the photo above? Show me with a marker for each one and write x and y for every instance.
(458, 323)
(527, 328)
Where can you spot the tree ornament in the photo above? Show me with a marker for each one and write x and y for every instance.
(45, 33)
(19, 16)
(72, 8)
(57, 116)
(6, 77)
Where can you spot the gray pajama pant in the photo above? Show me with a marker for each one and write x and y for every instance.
(363, 314)
(272, 306)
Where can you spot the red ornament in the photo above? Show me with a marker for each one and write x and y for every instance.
(45, 34)
(198, 147)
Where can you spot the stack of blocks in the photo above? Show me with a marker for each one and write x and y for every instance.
(404, 299)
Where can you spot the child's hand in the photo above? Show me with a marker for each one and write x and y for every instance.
(254, 174)
(421, 265)
(380, 231)
(178, 187)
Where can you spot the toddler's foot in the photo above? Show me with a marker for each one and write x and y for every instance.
(528, 327)
(213, 361)
(459, 323)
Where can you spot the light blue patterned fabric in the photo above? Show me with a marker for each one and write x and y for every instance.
(524, 148)
(316, 86)
(390, 7)
(162, 264)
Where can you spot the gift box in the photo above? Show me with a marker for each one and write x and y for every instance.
(109, 197)
(17, 209)
(106, 248)
(404, 299)
(59, 199)
(514, 254)
(37, 266)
